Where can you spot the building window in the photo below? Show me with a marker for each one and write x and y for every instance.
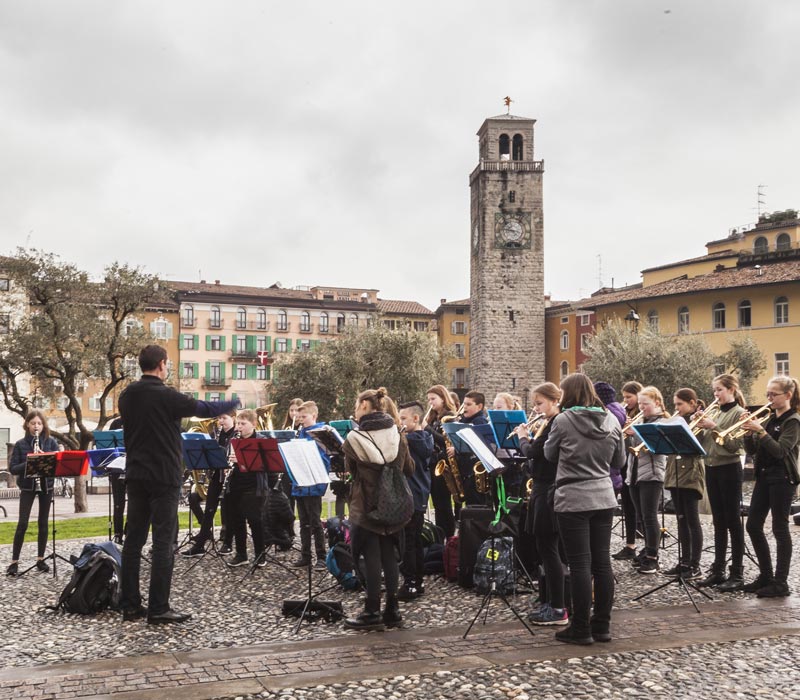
(305, 345)
(161, 329)
(340, 321)
(652, 320)
(188, 343)
(214, 372)
(517, 152)
(585, 341)
(4, 284)
(458, 328)
(718, 314)
(187, 316)
(782, 363)
(585, 319)
(283, 321)
(261, 320)
(280, 345)
(783, 242)
(390, 323)
(781, 311)
(241, 344)
(323, 322)
(683, 320)
(564, 319)
(5, 324)
(261, 344)
(305, 322)
(564, 369)
(420, 325)
(460, 376)
(130, 367)
(214, 396)
(241, 371)
(353, 319)
(504, 143)
(241, 318)
(187, 369)
(760, 246)
(565, 340)
(512, 196)
(261, 372)
(745, 314)
(215, 342)
(460, 350)
(94, 403)
(216, 317)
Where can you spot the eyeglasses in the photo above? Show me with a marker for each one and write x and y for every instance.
(773, 394)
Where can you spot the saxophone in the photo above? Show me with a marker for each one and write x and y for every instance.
(448, 468)
(481, 478)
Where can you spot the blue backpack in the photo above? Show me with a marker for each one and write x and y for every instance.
(339, 563)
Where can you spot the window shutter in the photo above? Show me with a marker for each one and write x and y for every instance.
(299, 344)
(269, 344)
(180, 341)
(234, 396)
(252, 371)
(170, 333)
(208, 396)
(222, 342)
(208, 372)
(269, 372)
(197, 342)
(208, 343)
(195, 370)
(222, 371)
(250, 344)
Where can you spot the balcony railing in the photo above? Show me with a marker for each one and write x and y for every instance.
(251, 355)
(511, 166)
(188, 322)
(216, 323)
(309, 328)
(216, 382)
(283, 328)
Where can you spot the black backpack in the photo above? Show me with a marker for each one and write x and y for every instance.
(497, 559)
(95, 582)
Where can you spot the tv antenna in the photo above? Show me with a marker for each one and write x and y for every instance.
(599, 271)
(761, 199)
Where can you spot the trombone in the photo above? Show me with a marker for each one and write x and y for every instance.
(737, 431)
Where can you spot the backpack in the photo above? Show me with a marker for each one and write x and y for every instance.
(95, 582)
(278, 519)
(339, 563)
(433, 561)
(431, 534)
(502, 554)
(451, 558)
(394, 504)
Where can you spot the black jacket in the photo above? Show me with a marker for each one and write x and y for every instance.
(152, 412)
(19, 457)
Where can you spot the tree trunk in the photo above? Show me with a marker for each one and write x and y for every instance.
(81, 500)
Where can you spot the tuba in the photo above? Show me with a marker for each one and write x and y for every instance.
(266, 416)
(199, 476)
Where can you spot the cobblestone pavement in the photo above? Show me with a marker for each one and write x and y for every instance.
(238, 643)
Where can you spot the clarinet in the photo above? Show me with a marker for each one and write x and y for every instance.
(232, 462)
(36, 450)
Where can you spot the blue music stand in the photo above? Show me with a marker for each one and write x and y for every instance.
(106, 439)
(484, 431)
(279, 435)
(503, 423)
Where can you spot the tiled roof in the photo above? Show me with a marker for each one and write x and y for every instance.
(729, 278)
(713, 256)
(234, 289)
(396, 306)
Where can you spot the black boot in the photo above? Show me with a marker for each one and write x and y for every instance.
(370, 619)
(734, 582)
(714, 578)
(391, 613)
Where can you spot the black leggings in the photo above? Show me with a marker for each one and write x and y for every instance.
(629, 514)
(380, 552)
(26, 499)
(690, 532)
(647, 497)
(776, 497)
(545, 532)
(724, 485)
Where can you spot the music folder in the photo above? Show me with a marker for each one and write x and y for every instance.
(343, 427)
(328, 438)
(72, 463)
(304, 463)
(105, 461)
(503, 422)
(452, 430)
(106, 439)
(258, 455)
(481, 451)
(201, 451)
(669, 437)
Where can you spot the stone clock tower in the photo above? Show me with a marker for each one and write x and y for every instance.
(507, 260)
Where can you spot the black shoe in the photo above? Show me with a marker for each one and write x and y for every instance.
(13, 569)
(260, 562)
(638, 558)
(649, 565)
(225, 549)
(714, 578)
(196, 551)
(238, 560)
(693, 573)
(734, 582)
(571, 636)
(118, 540)
(406, 593)
(365, 621)
(168, 617)
(391, 614)
(760, 582)
(320, 564)
(624, 554)
(682, 569)
(599, 635)
(302, 562)
(776, 589)
(131, 614)
(41, 565)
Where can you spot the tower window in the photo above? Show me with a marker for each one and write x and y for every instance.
(517, 146)
(511, 316)
(505, 152)
(512, 196)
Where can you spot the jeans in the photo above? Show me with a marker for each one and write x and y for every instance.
(309, 508)
(156, 504)
(118, 496)
(26, 499)
(413, 555)
(379, 552)
(546, 537)
(724, 486)
(587, 539)
(690, 532)
(646, 497)
(777, 498)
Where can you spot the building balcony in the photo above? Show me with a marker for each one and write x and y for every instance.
(244, 355)
(216, 383)
(188, 322)
(307, 329)
(510, 166)
(252, 325)
(285, 328)
(216, 325)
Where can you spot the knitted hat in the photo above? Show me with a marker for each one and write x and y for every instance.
(606, 392)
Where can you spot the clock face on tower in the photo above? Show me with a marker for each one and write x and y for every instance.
(512, 231)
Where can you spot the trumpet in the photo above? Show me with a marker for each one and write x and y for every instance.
(529, 425)
(641, 446)
(633, 421)
(707, 412)
(737, 431)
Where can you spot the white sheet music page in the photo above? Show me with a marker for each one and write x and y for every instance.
(482, 452)
(304, 462)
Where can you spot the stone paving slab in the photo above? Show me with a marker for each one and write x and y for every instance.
(249, 670)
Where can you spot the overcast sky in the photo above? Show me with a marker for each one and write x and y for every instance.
(331, 142)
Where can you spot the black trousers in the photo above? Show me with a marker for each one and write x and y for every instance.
(26, 499)
(442, 505)
(587, 539)
(724, 485)
(309, 508)
(213, 501)
(380, 553)
(690, 531)
(157, 505)
(775, 497)
(545, 533)
(646, 498)
(629, 513)
(247, 508)
(413, 564)
(118, 499)
(196, 506)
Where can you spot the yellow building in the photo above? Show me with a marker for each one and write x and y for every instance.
(452, 321)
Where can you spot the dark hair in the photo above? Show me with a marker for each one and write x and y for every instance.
(577, 390)
(36, 413)
(788, 384)
(549, 390)
(441, 391)
(476, 397)
(287, 422)
(414, 406)
(632, 387)
(688, 395)
(731, 384)
(151, 356)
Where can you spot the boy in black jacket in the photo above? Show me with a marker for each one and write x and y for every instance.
(420, 445)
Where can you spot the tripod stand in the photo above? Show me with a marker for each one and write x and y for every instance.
(54, 555)
(311, 607)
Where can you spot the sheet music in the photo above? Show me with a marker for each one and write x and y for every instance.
(116, 465)
(329, 431)
(482, 452)
(304, 462)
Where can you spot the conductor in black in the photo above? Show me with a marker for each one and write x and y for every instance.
(151, 412)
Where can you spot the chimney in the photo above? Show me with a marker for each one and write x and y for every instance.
(216, 282)
(202, 281)
(443, 301)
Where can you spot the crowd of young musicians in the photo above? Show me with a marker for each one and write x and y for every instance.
(581, 453)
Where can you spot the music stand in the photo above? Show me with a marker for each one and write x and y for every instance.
(672, 437)
(48, 465)
(104, 462)
(503, 425)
